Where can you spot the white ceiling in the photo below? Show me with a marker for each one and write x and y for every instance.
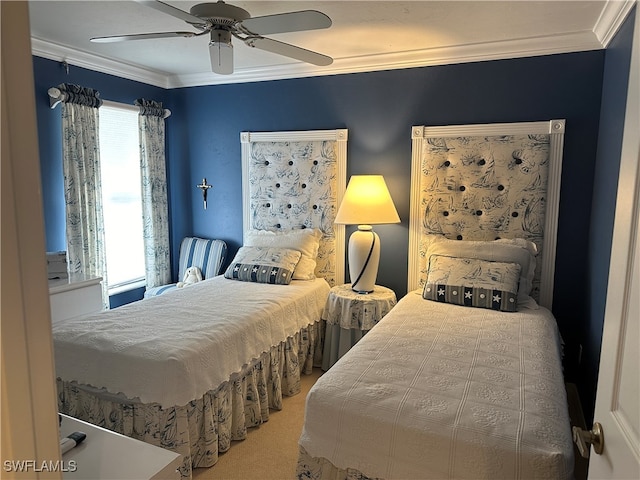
(364, 36)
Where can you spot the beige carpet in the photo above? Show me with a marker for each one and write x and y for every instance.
(270, 451)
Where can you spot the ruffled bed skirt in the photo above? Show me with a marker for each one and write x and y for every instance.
(205, 427)
(312, 468)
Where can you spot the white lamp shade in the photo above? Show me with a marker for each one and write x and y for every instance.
(366, 201)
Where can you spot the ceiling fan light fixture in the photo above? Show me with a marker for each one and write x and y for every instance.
(221, 51)
(220, 36)
(223, 21)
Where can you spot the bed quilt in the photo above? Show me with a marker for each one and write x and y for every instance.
(174, 348)
(444, 391)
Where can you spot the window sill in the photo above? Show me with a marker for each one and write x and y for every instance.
(127, 287)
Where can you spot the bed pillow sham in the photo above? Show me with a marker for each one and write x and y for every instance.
(472, 282)
(263, 265)
(513, 250)
(306, 241)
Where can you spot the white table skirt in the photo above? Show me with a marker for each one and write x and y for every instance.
(350, 309)
(337, 342)
(349, 315)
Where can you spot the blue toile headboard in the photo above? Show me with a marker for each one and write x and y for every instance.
(482, 182)
(296, 180)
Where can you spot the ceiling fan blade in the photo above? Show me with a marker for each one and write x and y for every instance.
(287, 22)
(274, 46)
(141, 36)
(221, 55)
(173, 11)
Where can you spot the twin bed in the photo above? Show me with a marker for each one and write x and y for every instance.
(463, 378)
(192, 369)
(438, 391)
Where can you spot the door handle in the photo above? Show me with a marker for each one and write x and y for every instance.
(584, 438)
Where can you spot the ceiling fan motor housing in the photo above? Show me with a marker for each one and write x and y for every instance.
(220, 13)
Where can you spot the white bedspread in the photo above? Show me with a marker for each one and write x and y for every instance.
(175, 347)
(444, 391)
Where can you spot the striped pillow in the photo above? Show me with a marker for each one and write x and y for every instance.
(472, 282)
(263, 265)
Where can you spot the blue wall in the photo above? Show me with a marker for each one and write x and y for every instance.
(379, 108)
(614, 97)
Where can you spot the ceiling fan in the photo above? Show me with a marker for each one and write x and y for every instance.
(223, 21)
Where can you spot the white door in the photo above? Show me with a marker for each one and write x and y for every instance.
(618, 396)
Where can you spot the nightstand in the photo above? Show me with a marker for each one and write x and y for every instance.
(349, 316)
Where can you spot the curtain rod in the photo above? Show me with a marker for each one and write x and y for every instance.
(56, 96)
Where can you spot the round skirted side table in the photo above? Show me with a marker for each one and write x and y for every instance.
(349, 316)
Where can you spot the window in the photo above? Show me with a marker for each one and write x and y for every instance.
(121, 196)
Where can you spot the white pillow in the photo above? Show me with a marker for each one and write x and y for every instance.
(305, 240)
(513, 250)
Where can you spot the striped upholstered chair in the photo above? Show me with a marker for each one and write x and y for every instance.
(208, 255)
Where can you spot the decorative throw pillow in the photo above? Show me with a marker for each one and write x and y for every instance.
(472, 282)
(516, 250)
(263, 265)
(305, 240)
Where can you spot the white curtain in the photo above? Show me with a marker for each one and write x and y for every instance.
(82, 183)
(155, 210)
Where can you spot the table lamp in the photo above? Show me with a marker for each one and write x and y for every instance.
(366, 202)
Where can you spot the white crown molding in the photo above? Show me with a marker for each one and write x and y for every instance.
(613, 15)
(567, 43)
(526, 47)
(60, 53)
